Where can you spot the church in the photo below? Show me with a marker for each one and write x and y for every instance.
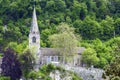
(47, 55)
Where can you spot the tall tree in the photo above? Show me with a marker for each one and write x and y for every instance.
(10, 65)
(65, 41)
(27, 62)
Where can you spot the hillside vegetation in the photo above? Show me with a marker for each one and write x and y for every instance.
(91, 18)
(96, 21)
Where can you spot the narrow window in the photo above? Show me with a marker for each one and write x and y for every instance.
(34, 39)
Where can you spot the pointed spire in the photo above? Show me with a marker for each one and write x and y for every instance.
(34, 25)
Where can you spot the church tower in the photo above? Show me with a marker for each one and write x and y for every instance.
(34, 35)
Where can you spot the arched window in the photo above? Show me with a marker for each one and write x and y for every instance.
(34, 39)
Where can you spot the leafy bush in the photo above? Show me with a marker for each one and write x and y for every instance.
(33, 75)
(4, 78)
(50, 67)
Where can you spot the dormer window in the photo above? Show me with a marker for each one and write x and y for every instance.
(34, 39)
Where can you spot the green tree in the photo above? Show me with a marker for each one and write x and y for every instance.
(117, 27)
(89, 57)
(115, 46)
(108, 28)
(27, 62)
(12, 45)
(45, 33)
(34, 75)
(4, 78)
(104, 50)
(77, 25)
(65, 41)
(90, 29)
(79, 10)
(102, 6)
(113, 70)
(18, 47)
(102, 62)
(114, 8)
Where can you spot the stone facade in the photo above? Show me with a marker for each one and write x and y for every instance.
(46, 55)
(34, 35)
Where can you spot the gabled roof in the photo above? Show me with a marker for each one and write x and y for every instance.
(54, 51)
(49, 51)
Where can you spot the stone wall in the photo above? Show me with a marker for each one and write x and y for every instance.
(87, 74)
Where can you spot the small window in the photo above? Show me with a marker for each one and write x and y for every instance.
(52, 58)
(34, 39)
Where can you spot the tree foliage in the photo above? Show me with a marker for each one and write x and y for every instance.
(92, 19)
(27, 62)
(69, 44)
(4, 78)
(113, 70)
(10, 66)
(89, 57)
(104, 51)
(18, 14)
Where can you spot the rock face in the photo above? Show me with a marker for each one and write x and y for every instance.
(57, 75)
(87, 74)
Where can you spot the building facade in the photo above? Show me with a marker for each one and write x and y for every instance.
(47, 55)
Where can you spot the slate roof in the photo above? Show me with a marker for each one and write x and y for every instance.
(49, 51)
(53, 51)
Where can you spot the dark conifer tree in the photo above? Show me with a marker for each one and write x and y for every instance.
(10, 65)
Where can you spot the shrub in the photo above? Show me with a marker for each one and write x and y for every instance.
(4, 78)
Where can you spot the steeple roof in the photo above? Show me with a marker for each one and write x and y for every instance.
(34, 24)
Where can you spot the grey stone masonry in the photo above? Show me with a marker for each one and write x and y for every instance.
(87, 74)
(34, 39)
(34, 35)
